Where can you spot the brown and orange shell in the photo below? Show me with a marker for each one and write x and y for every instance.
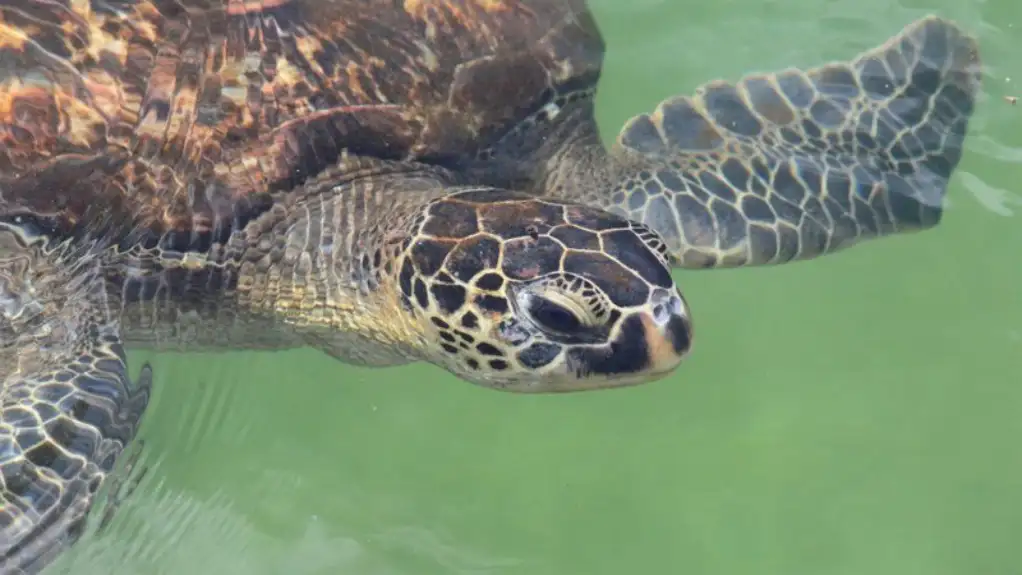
(194, 115)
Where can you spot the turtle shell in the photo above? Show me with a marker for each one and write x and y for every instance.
(190, 117)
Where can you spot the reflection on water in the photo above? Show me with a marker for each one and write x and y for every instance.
(168, 530)
(172, 531)
(244, 476)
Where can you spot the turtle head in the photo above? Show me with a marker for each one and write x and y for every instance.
(533, 295)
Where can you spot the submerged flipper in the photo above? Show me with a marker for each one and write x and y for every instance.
(68, 407)
(796, 164)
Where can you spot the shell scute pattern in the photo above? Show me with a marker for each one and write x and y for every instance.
(199, 111)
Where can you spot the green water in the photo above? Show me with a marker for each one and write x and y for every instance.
(854, 415)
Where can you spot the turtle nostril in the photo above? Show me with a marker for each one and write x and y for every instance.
(671, 314)
(661, 313)
(667, 305)
(677, 306)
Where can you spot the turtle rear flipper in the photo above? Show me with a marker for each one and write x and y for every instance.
(800, 163)
(68, 407)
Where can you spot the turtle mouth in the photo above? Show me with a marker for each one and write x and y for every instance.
(644, 348)
(626, 355)
(630, 347)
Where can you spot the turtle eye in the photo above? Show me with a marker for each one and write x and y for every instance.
(553, 316)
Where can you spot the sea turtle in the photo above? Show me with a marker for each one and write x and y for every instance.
(399, 181)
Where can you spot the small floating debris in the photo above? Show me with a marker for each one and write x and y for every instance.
(1011, 100)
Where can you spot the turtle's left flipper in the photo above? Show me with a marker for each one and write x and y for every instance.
(68, 407)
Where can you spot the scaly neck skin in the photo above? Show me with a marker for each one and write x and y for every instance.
(321, 267)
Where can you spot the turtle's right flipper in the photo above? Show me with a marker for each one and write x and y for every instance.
(799, 163)
(68, 407)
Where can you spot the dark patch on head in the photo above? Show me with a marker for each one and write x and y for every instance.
(449, 348)
(576, 238)
(620, 285)
(467, 338)
(471, 363)
(440, 323)
(490, 281)
(421, 294)
(469, 320)
(489, 349)
(538, 354)
(449, 298)
(629, 353)
(451, 219)
(405, 277)
(679, 333)
(429, 255)
(516, 220)
(630, 250)
(498, 364)
(525, 259)
(472, 256)
(595, 219)
(444, 277)
(446, 336)
(489, 195)
(492, 304)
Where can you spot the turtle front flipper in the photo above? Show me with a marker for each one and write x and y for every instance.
(68, 407)
(796, 164)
